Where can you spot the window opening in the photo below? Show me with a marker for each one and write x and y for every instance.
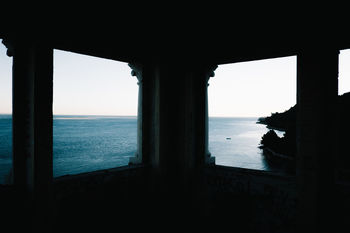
(5, 116)
(343, 160)
(95, 108)
(243, 94)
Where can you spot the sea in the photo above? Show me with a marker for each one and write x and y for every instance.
(90, 143)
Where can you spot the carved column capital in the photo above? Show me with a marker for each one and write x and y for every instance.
(210, 71)
(136, 70)
(9, 46)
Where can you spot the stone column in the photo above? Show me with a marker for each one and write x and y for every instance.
(202, 73)
(317, 91)
(23, 70)
(43, 138)
(32, 129)
(208, 158)
(178, 113)
(173, 113)
(136, 70)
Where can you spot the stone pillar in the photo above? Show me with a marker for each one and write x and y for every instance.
(32, 130)
(177, 117)
(43, 138)
(201, 75)
(136, 70)
(180, 109)
(23, 71)
(208, 158)
(175, 133)
(317, 91)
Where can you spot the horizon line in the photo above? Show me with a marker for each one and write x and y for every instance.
(60, 114)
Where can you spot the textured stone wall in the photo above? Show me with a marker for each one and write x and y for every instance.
(229, 200)
(267, 201)
(99, 201)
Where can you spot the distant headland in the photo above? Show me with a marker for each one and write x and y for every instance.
(280, 121)
(284, 148)
(280, 151)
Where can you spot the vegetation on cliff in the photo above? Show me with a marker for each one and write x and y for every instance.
(281, 121)
(285, 145)
(286, 121)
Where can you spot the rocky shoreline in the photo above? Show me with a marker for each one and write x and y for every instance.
(280, 151)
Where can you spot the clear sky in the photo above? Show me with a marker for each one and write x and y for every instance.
(85, 85)
(254, 88)
(5, 81)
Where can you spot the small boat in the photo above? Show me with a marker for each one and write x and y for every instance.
(228, 138)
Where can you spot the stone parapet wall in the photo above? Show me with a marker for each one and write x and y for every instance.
(267, 201)
(99, 201)
(67, 185)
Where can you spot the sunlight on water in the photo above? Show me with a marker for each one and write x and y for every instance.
(241, 150)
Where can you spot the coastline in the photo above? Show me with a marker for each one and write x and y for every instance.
(271, 127)
(271, 154)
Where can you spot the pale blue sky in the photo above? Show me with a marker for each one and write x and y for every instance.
(255, 88)
(5, 81)
(85, 85)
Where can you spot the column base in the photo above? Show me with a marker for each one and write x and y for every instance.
(135, 160)
(210, 159)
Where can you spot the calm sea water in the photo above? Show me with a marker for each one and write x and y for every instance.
(89, 143)
(235, 142)
(5, 146)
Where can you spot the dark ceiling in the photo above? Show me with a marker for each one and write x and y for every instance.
(217, 44)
